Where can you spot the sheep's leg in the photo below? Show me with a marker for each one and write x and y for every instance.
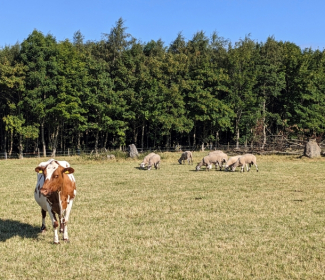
(249, 166)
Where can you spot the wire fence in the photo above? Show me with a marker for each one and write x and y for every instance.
(282, 147)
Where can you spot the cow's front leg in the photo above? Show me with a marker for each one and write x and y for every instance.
(55, 224)
(66, 219)
(55, 229)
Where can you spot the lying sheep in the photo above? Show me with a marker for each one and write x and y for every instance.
(187, 155)
(110, 157)
(212, 158)
(154, 161)
(231, 162)
(146, 160)
(245, 160)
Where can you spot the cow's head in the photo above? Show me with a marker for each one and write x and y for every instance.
(55, 177)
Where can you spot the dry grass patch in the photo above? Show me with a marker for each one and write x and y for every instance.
(172, 223)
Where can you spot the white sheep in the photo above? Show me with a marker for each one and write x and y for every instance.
(212, 158)
(245, 160)
(231, 162)
(146, 160)
(187, 155)
(215, 152)
(154, 161)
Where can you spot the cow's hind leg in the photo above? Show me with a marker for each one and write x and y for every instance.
(43, 227)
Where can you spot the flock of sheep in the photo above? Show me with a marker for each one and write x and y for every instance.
(217, 158)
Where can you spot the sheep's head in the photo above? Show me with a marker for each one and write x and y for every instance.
(142, 165)
(198, 167)
(180, 161)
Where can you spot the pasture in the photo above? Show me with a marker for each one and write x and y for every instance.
(172, 223)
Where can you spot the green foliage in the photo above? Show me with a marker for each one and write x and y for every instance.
(119, 90)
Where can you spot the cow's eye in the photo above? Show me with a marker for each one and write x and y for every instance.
(56, 176)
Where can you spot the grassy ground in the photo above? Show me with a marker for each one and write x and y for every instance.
(172, 223)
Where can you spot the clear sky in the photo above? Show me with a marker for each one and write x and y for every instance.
(299, 21)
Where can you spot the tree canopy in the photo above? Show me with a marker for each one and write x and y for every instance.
(119, 90)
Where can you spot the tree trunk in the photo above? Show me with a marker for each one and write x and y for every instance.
(264, 127)
(106, 138)
(43, 139)
(217, 138)
(194, 139)
(142, 136)
(20, 147)
(55, 141)
(11, 142)
(78, 140)
(96, 141)
(237, 138)
(135, 134)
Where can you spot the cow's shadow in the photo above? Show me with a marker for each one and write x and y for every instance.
(11, 228)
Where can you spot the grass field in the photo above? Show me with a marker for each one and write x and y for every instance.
(172, 223)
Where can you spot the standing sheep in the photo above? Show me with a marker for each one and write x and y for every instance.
(187, 155)
(231, 162)
(245, 160)
(212, 158)
(146, 160)
(154, 161)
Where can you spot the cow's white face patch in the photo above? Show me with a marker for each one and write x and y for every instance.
(50, 169)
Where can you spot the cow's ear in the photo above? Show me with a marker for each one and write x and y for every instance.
(39, 169)
(68, 170)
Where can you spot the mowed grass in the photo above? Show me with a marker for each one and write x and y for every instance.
(172, 223)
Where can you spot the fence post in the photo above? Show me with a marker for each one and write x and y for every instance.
(5, 155)
(68, 152)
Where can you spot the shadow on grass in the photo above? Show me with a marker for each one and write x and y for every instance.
(10, 228)
(142, 169)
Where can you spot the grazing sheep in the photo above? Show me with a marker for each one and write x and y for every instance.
(212, 158)
(245, 160)
(187, 155)
(231, 162)
(154, 161)
(146, 160)
(215, 152)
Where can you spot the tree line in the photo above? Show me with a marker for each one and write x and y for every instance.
(119, 90)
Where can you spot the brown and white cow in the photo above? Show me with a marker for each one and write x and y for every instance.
(55, 191)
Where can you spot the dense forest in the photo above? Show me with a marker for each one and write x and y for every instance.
(120, 91)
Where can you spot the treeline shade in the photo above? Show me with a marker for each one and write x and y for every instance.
(118, 91)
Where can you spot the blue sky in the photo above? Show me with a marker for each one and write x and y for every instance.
(299, 21)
